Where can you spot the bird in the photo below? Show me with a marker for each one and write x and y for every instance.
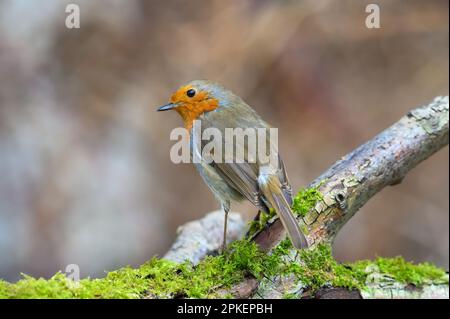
(264, 183)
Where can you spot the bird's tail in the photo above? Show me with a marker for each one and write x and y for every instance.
(271, 188)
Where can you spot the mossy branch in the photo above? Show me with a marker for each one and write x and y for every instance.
(247, 270)
(384, 160)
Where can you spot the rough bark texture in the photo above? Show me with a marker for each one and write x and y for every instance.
(346, 187)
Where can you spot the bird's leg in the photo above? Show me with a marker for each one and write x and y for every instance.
(257, 217)
(224, 243)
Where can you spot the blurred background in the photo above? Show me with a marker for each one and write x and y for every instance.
(85, 173)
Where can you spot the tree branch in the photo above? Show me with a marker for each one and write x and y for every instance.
(385, 160)
(346, 186)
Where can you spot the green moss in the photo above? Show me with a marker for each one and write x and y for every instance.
(259, 224)
(166, 279)
(289, 295)
(404, 272)
(318, 268)
(305, 200)
(158, 277)
(3, 288)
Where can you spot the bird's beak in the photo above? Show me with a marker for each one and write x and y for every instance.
(167, 107)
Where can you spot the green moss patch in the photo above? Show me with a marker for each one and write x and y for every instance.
(157, 278)
(402, 271)
(305, 200)
(161, 278)
(319, 269)
(256, 226)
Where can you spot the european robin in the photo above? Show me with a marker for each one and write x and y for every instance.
(264, 183)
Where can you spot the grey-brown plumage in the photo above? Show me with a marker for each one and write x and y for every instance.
(264, 183)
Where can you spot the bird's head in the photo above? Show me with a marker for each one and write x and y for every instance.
(195, 98)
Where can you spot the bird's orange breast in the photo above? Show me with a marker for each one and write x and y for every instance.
(191, 108)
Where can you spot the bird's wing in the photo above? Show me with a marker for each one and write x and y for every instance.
(264, 191)
(243, 177)
(284, 180)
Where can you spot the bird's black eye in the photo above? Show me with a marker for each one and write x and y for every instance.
(190, 92)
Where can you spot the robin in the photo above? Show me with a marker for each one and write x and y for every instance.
(264, 183)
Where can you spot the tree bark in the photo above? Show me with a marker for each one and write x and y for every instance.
(346, 186)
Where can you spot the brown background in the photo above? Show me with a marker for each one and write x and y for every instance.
(85, 174)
